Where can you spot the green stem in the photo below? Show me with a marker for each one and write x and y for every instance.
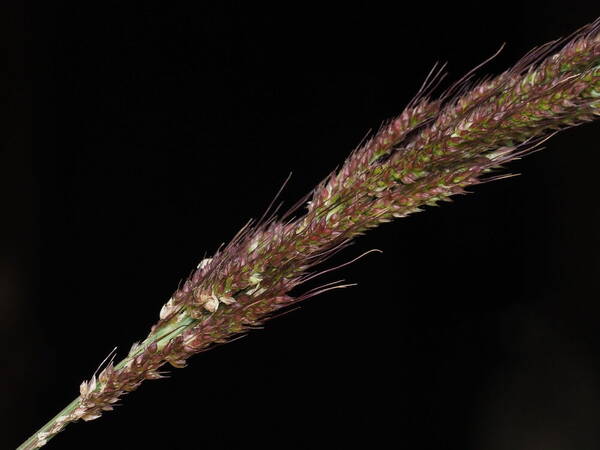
(32, 442)
(170, 330)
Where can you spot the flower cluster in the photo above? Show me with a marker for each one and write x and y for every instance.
(433, 150)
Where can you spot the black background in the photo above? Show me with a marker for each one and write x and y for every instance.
(143, 134)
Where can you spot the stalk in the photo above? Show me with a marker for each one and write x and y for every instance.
(432, 151)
